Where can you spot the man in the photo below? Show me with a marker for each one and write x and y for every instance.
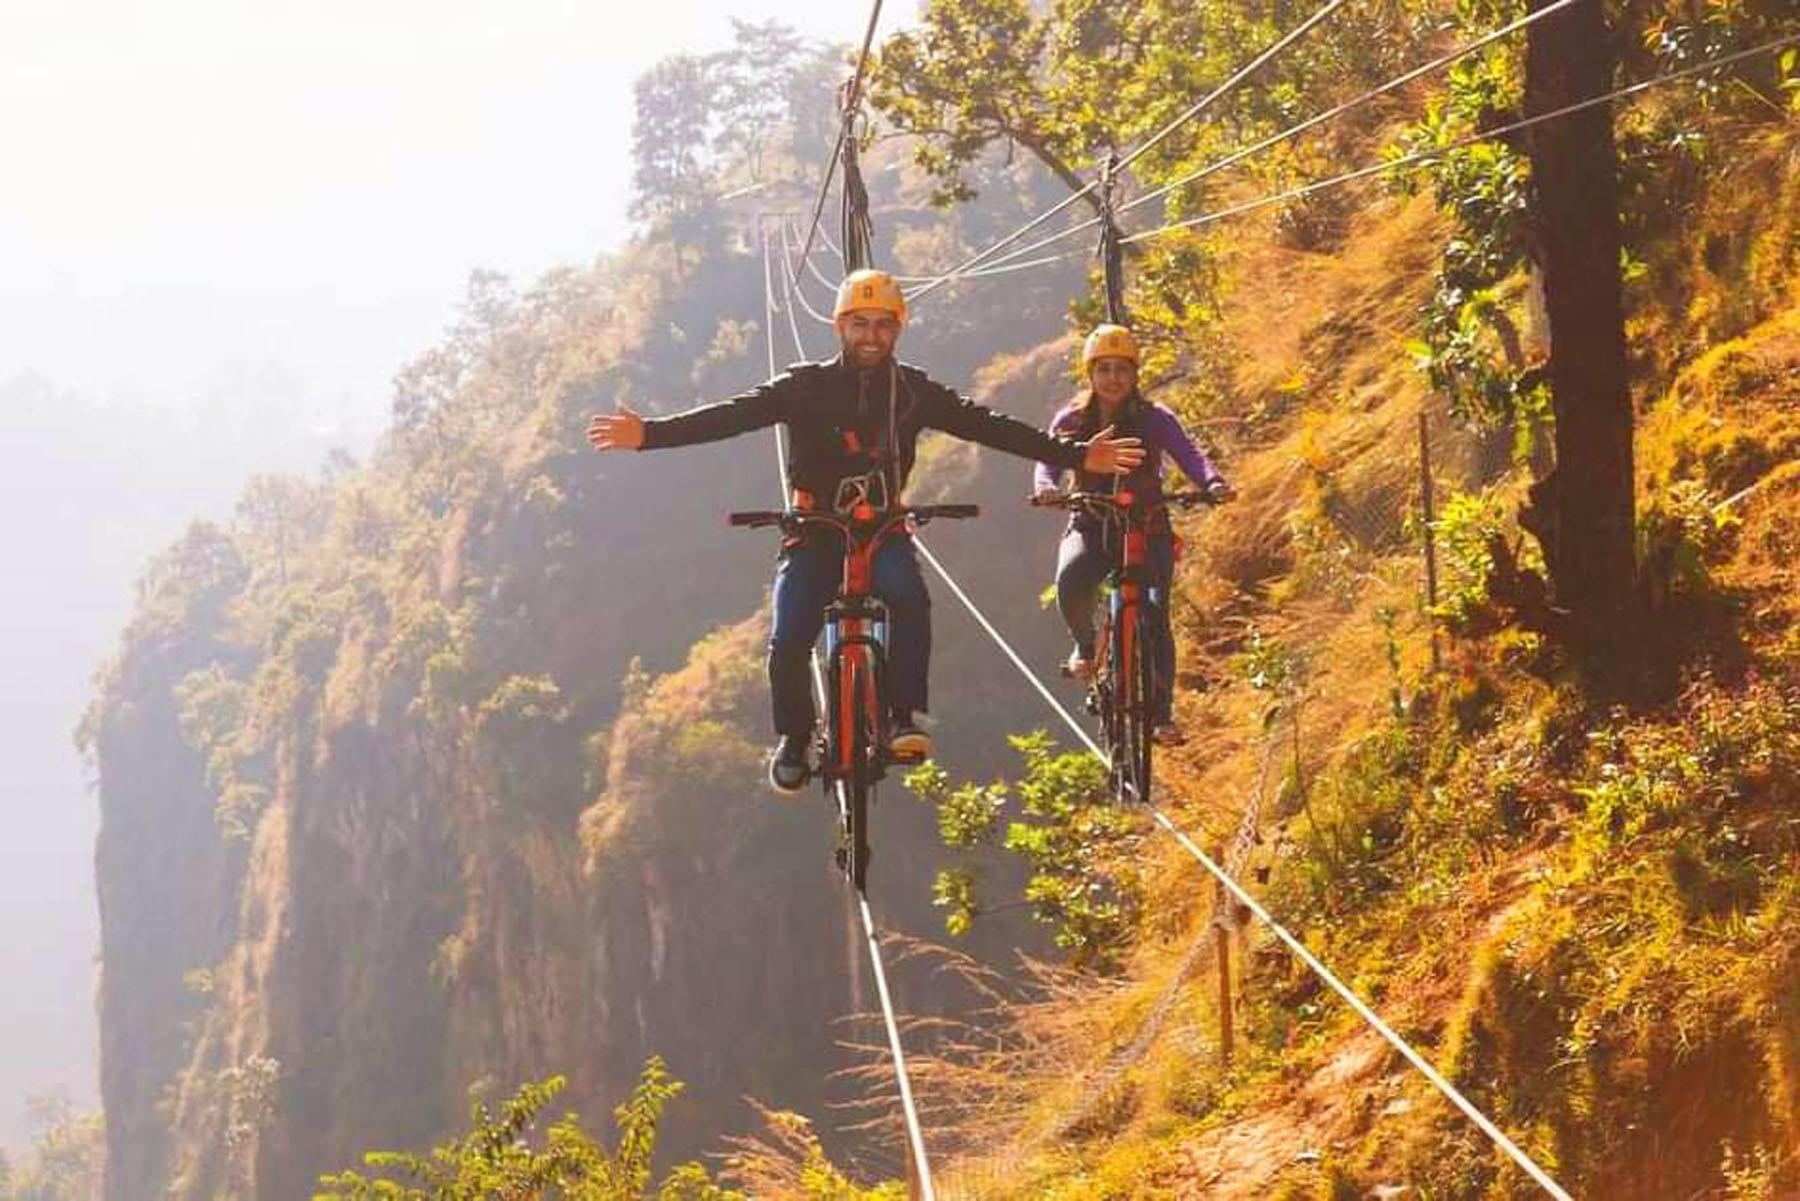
(853, 424)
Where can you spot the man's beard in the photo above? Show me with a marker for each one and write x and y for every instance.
(851, 357)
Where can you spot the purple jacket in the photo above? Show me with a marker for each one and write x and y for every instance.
(1162, 434)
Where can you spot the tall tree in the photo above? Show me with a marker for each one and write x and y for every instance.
(1584, 511)
(671, 140)
(756, 89)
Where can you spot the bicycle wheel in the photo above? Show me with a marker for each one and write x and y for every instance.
(1134, 699)
(858, 713)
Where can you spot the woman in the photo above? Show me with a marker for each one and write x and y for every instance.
(1112, 402)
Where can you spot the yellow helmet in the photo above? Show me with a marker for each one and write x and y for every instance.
(868, 289)
(1108, 342)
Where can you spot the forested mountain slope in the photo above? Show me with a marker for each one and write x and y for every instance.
(389, 813)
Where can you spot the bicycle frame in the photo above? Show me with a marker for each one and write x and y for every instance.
(1125, 683)
(853, 738)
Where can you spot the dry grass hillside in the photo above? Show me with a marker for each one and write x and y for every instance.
(1585, 916)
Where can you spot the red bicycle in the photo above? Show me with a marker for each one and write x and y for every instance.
(853, 742)
(1122, 692)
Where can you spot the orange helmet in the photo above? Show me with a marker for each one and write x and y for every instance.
(1108, 342)
(868, 289)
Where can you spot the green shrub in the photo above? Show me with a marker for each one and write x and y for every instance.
(497, 1158)
(1082, 881)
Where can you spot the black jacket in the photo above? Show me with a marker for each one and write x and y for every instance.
(842, 424)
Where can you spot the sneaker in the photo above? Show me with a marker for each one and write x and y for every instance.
(789, 766)
(907, 743)
(1079, 667)
(1167, 733)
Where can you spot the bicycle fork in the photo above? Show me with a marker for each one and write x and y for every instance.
(852, 755)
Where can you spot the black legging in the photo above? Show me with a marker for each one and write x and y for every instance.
(1082, 562)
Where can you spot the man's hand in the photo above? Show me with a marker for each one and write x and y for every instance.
(1041, 495)
(1107, 455)
(623, 430)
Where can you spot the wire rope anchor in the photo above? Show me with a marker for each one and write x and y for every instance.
(1112, 245)
(857, 229)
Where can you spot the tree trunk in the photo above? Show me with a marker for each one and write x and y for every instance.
(1585, 519)
(1041, 151)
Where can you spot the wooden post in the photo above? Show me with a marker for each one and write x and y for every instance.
(1222, 941)
(1428, 508)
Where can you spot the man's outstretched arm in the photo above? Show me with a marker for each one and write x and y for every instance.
(625, 430)
(1103, 454)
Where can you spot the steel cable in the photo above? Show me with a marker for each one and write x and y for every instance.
(1319, 969)
(1295, 131)
(1192, 111)
(797, 290)
(1416, 159)
(914, 1133)
(1424, 156)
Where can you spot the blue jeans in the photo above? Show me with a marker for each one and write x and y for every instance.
(1082, 562)
(805, 582)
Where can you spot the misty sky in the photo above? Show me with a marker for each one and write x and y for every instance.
(199, 193)
(195, 181)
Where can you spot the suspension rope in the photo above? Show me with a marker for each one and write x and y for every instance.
(1191, 112)
(853, 97)
(858, 229)
(1231, 160)
(1307, 957)
(1112, 250)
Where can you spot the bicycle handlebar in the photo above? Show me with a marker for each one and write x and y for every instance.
(1107, 501)
(786, 518)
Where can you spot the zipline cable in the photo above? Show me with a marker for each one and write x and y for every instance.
(1307, 957)
(1416, 159)
(1189, 114)
(993, 268)
(1436, 64)
(915, 1134)
(1423, 156)
(1256, 64)
(1295, 131)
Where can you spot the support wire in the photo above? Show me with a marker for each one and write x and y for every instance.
(915, 1135)
(1307, 957)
